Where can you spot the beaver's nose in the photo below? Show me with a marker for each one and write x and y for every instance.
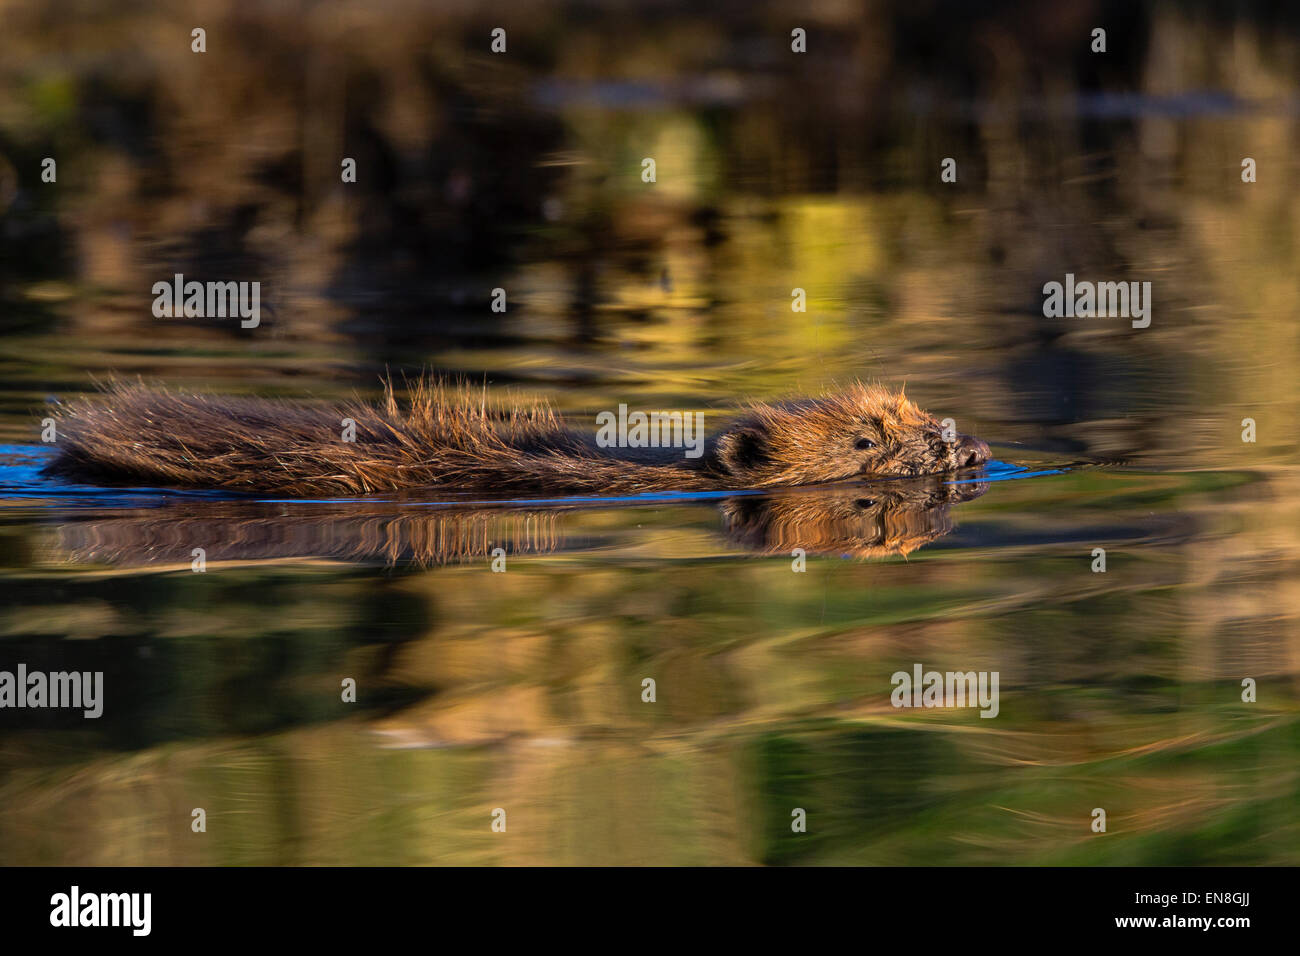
(972, 451)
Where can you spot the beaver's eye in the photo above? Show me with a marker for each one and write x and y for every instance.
(862, 444)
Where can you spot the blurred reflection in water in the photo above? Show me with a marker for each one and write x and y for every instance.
(876, 520)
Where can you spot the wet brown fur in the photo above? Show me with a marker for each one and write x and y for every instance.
(457, 438)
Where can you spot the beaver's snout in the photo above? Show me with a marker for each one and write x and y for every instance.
(971, 451)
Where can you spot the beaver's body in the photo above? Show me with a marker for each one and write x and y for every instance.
(454, 438)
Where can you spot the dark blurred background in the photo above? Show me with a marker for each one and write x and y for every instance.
(775, 170)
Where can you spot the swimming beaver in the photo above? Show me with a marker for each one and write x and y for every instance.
(450, 437)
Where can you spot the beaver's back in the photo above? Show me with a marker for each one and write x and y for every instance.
(445, 436)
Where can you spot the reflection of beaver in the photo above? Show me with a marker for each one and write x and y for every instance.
(451, 438)
(893, 518)
(888, 518)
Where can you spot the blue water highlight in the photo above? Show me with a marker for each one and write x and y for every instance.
(21, 478)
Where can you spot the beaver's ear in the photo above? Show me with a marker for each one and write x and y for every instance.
(743, 449)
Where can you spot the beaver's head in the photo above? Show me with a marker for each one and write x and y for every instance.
(863, 431)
